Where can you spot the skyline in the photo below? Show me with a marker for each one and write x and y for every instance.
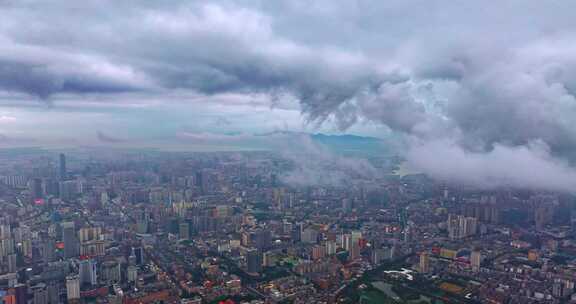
(287, 152)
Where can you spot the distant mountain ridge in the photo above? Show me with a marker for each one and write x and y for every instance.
(323, 136)
(350, 143)
(340, 142)
(345, 138)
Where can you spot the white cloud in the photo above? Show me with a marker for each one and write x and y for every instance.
(487, 79)
(6, 119)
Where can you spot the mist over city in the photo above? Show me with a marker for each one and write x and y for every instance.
(287, 151)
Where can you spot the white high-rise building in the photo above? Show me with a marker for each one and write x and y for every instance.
(73, 287)
(132, 274)
(330, 247)
(460, 226)
(347, 241)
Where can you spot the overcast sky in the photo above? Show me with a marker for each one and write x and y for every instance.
(479, 80)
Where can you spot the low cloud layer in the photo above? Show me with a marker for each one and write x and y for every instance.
(530, 166)
(482, 83)
(312, 163)
(105, 138)
(315, 164)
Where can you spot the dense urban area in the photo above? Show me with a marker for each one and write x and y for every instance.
(226, 227)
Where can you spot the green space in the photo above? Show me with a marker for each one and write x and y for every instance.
(374, 297)
(390, 290)
(377, 296)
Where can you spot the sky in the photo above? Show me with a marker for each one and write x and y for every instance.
(489, 84)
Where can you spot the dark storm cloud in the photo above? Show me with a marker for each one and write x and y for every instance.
(208, 47)
(475, 77)
(42, 71)
(41, 82)
(27, 78)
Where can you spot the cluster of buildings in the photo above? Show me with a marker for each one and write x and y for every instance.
(215, 227)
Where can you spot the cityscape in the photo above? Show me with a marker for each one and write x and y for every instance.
(287, 152)
(224, 227)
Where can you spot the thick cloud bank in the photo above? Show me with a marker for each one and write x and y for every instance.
(483, 83)
(504, 166)
(315, 164)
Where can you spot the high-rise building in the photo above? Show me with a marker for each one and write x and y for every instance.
(21, 292)
(39, 294)
(318, 252)
(110, 272)
(350, 242)
(278, 197)
(6, 247)
(557, 287)
(93, 248)
(269, 259)
(142, 225)
(12, 267)
(69, 236)
(89, 234)
(354, 252)
(198, 180)
(470, 226)
(202, 180)
(69, 189)
(36, 188)
(460, 226)
(52, 187)
(347, 242)
(18, 181)
(424, 262)
(27, 248)
(253, 261)
(573, 222)
(62, 167)
(5, 232)
(87, 272)
(261, 239)
(184, 231)
(139, 253)
(475, 260)
(309, 236)
(73, 288)
(287, 227)
(132, 274)
(407, 234)
(132, 258)
(330, 247)
(53, 292)
(356, 236)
